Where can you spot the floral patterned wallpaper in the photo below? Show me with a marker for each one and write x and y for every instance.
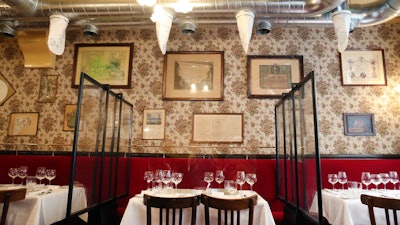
(316, 44)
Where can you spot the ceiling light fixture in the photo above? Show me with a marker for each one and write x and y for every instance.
(90, 30)
(188, 27)
(341, 22)
(56, 38)
(146, 2)
(263, 27)
(183, 6)
(7, 28)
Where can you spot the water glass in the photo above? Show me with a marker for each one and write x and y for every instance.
(230, 186)
(31, 183)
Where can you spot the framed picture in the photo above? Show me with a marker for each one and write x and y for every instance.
(107, 63)
(6, 90)
(270, 76)
(359, 124)
(48, 89)
(153, 124)
(363, 67)
(70, 117)
(23, 124)
(193, 76)
(215, 127)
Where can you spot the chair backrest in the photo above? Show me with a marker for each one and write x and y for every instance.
(166, 205)
(7, 196)
(228, 206)
(386, 203)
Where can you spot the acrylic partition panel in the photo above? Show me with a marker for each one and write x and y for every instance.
(98, 163)
(298, 114)
(280, 152)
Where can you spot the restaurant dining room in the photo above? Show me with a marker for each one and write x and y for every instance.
(199, 112)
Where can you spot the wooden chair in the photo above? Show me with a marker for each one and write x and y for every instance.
(7, 196)
(386, 203)
(171, 204)
(225, 206)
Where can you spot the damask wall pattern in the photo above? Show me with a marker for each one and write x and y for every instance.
(316, 44)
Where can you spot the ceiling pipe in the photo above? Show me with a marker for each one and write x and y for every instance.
(115, 13)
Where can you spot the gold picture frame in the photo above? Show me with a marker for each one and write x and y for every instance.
(48, 89)
(193, 76)
(70, 117)
(6, 90)
(154, 124)
(23, 124)
(218, 127)
(106, 63)
(269, 76)
(363, 67)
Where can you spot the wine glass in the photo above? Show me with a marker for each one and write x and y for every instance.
(13, 173)
(219, 176)
(40, 174)
(240, 178)
(376, 179)
(158, 178)
(208, 177)
(22, 173)
(385, 179)
(366, 178)
(342, 178)
(50, 174)
(394, 178)
(251, 178)
(333, 179)
(166, 178)
(148, 177)
(176, 178)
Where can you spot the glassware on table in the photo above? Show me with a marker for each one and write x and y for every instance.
(394, 178)
(22, 173)
(166, 178)
(376, 179)
(13, 173)
(240, 178)
(208, 177)
(342, 178)
(385, 179)
(31, 183)
(333, 179)
(176, 178)
(219, 176)
(251, 178)
(158, 179)
(366, 179)
(230, 186)
(50, 175)
(40, 174)
(148, 177)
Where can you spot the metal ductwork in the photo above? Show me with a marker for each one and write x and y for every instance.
(34, 14)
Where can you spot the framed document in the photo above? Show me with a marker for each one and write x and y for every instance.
(359, 124)
(153, 124)
(363, 67)
(23, 124)
(213, 127)
(271, 76)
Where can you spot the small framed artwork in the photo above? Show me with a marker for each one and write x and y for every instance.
(69, 117)
(270, 76)
(359, 124)
(363, 67)
(216, 127)
(6, 90)
(23, 124)
(106, 63)
(153, 124)
(193, 76)
(48, 89)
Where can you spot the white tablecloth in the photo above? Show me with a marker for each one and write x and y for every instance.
(344, 207)
(135, 212)
(44, 206)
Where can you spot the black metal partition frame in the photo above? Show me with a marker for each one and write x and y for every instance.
(297, 150)
(103, 127)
